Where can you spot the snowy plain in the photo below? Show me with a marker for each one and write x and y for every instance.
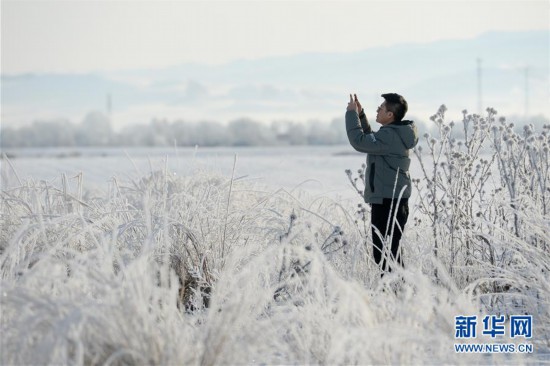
(316, 169)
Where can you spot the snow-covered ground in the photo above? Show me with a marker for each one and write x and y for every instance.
(317, 169)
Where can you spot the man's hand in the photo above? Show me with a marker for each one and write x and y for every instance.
(359, 107)
(352, 105)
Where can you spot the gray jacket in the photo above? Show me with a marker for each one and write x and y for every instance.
(387, 151)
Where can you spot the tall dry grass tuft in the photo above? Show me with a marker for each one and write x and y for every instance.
(128, 277)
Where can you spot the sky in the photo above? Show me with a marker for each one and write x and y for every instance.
(89, 36)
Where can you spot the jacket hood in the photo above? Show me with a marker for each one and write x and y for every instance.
(407, 132)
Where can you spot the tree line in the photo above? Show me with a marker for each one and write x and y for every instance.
(96, 130)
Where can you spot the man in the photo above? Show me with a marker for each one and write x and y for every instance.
(387, 179)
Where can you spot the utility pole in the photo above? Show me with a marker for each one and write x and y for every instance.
(479, 93)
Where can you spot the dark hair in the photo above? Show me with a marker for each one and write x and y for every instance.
(396, 104)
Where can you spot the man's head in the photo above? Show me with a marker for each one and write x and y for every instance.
(393, 109)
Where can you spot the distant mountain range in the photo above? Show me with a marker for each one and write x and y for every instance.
(514, 76)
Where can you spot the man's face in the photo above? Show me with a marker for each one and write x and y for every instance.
(383, 116)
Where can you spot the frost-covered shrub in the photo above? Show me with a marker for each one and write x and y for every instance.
(484, 194)
(453, 191)
(477, 181)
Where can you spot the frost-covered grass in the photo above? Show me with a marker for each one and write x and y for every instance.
(212, 269)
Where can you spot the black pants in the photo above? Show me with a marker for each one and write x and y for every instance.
(385, 228)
